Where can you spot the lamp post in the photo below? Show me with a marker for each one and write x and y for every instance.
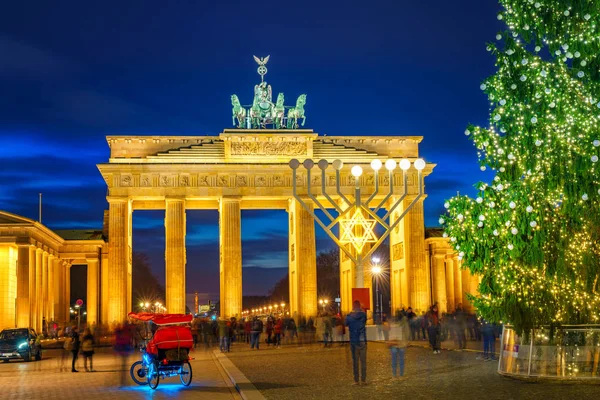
(376, 271)
(351, 214)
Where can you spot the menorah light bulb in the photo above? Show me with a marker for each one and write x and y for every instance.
(390, 164)
(376, 164)
(419, 164)
(356, 171)
(405, 164)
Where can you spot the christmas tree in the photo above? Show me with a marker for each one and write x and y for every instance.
(533, 233)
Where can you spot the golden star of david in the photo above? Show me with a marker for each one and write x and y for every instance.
(349, 234)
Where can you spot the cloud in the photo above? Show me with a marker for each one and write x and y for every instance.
(24, 60)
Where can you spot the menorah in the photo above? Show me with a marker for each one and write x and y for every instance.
(355, 228)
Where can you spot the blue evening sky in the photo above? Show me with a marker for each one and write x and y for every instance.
(72, 72)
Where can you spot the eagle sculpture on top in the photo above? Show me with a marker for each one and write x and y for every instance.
(262, 60)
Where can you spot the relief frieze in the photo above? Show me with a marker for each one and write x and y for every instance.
(241, 180)
(268, 148)
(223, 180)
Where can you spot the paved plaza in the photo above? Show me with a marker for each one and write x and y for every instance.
(312, 372)
(52, 378)
(290, 372)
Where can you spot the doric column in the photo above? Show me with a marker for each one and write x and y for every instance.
(44, 308)
(23, 282)
(458, 293)
(92, 290)
(50, 288)
(450, 283)
(119, 258)
(398, 283)
(104, 286)
(9, 254)
(175, 255)
(56, 289)
(439, 281)
(32, 287)
(418, 273)
(39, 257)
(302, 261)
(67, 291)
(230, 240)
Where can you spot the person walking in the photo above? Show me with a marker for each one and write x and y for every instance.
(432, 320)
(356, 322)
(460, 323)
(75, 344)
(247, 329)
(223, 335)
(87, 349)
(399, 336)
(257, 328)
(277, 328)
(327, 331)
(269, 329)
(489, 339)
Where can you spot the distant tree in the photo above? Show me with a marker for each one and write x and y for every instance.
(145, 285)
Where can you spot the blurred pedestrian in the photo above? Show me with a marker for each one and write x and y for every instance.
(432, 319)
(257, 328)
(122, 345)
(278, 328)
(247, 329)
(460, 323)
(75, 344)
(224, 327)
(269, 329)
(356, 322)
(327, 331)
(87, 349)
(399, 336)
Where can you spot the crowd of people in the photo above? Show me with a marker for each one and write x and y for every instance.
(327, 328)
(273, 330)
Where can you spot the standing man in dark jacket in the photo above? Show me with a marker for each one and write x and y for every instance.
(356, 322)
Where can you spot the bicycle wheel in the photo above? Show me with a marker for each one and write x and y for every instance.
(153, 375)
(138, 372)
(185, 373)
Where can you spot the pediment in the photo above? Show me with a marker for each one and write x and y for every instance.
(7, 218)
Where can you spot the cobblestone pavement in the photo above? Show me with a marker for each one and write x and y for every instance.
(312, 372)
(52, 378)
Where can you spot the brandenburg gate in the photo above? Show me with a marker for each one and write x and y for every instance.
(248, 168)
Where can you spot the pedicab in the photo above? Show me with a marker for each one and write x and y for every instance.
(166, 353)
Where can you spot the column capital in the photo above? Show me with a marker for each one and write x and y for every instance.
(174, 199)
(91, 260)
(117, 199)
(230, 199)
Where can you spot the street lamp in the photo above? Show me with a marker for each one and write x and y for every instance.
(356, 217)
(376, 271)
(323, 303)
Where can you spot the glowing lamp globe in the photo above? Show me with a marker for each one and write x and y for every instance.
(376, 165)
(404, 164)
(356, 171)
(419, 164)
(390, 165)
(376, 270)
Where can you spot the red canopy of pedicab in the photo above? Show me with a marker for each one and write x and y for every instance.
(162, 319)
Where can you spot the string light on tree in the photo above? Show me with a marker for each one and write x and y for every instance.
(537, 246)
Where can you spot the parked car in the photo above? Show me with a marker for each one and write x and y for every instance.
(20, 343)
